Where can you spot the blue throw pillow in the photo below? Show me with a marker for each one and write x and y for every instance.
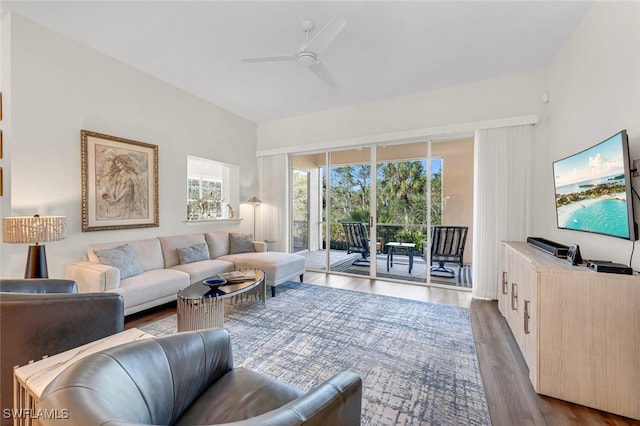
(193, 253)
(241, 243)
(121, 257)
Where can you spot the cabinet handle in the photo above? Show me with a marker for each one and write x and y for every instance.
(514, 296)
(527, 317)
(505, 283)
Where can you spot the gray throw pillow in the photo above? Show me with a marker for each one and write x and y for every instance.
(193, 253)
(121, 257)
(241, 243)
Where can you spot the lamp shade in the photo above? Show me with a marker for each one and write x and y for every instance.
(254, 200)
(33, 229)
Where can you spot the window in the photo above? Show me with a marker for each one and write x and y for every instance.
(204, 199)
(212, 189)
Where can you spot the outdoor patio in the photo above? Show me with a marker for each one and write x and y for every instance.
(343, 262)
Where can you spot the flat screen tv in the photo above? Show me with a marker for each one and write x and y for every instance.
(593, 189)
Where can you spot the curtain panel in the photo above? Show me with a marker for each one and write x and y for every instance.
(502, 187)
(272, 215)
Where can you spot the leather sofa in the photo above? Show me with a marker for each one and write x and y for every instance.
(41, 317)
(161, 272)
(188, 379)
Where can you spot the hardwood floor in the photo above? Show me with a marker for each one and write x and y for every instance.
(510, 396)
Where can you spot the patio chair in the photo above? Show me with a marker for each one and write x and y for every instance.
(357, 240)
(447, 245)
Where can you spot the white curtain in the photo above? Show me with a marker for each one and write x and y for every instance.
(272, 216)
(502, 168)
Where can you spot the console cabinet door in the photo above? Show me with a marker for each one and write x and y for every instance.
(503, 280)
(529, 294)
(515, 309)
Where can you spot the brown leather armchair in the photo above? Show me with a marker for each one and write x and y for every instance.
(188, 378)
(41, 317)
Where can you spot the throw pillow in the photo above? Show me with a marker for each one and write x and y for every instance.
(193, 253)
(241, 243)
(121, 257)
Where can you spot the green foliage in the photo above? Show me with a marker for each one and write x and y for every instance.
(401, 199)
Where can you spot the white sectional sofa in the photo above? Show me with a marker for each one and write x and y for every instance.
(150, 272)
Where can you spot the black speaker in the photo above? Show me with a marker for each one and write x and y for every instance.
(573, 254)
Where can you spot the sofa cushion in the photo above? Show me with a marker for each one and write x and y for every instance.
(122, 257)
(205, 269)
(219, 403)
(148, 251)
(172, 243)
(240, 243)
(151, 285)
(277, 266)
(193, 254)
(218, 243)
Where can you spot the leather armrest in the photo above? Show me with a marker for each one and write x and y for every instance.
(93, 277)
(37, 285)
(338, 401)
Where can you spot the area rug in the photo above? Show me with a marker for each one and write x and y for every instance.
(417, 360)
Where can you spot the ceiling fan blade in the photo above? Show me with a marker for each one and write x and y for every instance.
(325, 36)
(320, 70)
(271, 58)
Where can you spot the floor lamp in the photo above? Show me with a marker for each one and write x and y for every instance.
(34, 230)
(254, 201)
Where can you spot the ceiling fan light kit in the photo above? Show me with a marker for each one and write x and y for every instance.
(308, 59)
(307, 54)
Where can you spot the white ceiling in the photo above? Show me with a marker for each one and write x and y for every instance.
(387, 48)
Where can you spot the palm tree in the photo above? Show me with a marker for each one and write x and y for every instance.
(403, 182)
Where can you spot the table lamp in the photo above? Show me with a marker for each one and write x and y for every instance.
(34, 230)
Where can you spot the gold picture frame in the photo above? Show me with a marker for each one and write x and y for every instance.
(119, 183)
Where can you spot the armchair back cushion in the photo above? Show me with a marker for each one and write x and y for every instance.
(47, 321)
(151, 381)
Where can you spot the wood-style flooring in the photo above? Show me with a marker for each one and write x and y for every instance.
(510, 396)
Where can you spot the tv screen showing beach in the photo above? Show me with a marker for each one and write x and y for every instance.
(591, 189)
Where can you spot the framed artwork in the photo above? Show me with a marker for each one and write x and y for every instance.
(119, 183)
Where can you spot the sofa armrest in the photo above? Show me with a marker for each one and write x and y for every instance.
(260, 246)
(93, 277)
(338, 401)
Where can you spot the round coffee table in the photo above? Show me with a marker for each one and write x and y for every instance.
(201, 306)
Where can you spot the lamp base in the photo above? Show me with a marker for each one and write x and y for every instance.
(36, 263)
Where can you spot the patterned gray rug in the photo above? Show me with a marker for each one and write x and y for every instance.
(417, 360)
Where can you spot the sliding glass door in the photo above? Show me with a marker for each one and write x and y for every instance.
(368, 211)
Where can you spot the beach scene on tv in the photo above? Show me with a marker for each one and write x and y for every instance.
(591, 190)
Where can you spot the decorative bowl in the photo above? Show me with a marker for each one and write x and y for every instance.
(214, 282)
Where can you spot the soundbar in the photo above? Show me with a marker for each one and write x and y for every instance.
(556, 249)
(609, 267)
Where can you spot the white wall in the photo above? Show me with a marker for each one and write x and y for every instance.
(486, 100)
(57, 87)
(594, 87)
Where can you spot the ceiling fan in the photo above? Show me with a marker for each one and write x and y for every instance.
(308, 53)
